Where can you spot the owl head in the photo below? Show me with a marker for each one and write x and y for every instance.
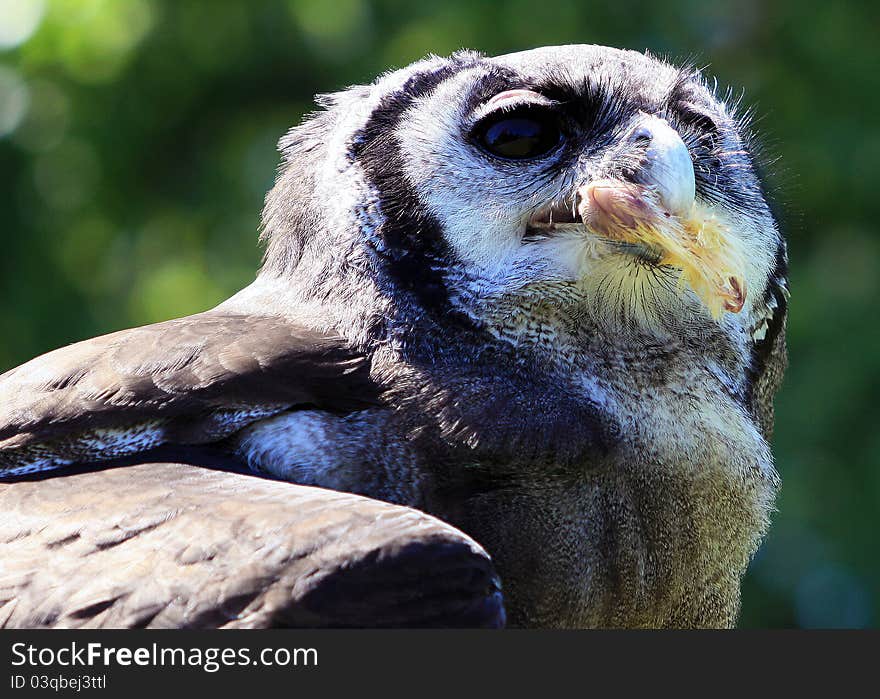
(534, 195)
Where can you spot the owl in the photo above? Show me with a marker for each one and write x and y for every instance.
(539, 296)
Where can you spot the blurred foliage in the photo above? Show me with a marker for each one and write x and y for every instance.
(137, 139)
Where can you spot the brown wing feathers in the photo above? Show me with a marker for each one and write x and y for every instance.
(162, 545)
(188, 380)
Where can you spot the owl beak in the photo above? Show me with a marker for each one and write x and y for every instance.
(667, 167)
(662, 188)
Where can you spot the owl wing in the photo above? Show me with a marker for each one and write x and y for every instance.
(167, 545)
(188, 381)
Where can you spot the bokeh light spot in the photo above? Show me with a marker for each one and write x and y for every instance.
(93, 39)
(14, 100)
(19, 19)
(45, 124)
(335, 34)
(312, 16)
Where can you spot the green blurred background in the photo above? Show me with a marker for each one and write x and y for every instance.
(137, 139)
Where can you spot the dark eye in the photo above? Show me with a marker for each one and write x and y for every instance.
(520, 134)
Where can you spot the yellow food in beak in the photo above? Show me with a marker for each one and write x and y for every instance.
(696, 240)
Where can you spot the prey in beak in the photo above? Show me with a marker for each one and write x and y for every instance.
(656, 214)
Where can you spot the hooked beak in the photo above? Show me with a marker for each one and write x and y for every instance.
(657, 211)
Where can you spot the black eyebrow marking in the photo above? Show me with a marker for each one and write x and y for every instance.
(413, 251)
(495, 80)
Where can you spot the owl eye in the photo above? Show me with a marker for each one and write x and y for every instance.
(519, 134)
